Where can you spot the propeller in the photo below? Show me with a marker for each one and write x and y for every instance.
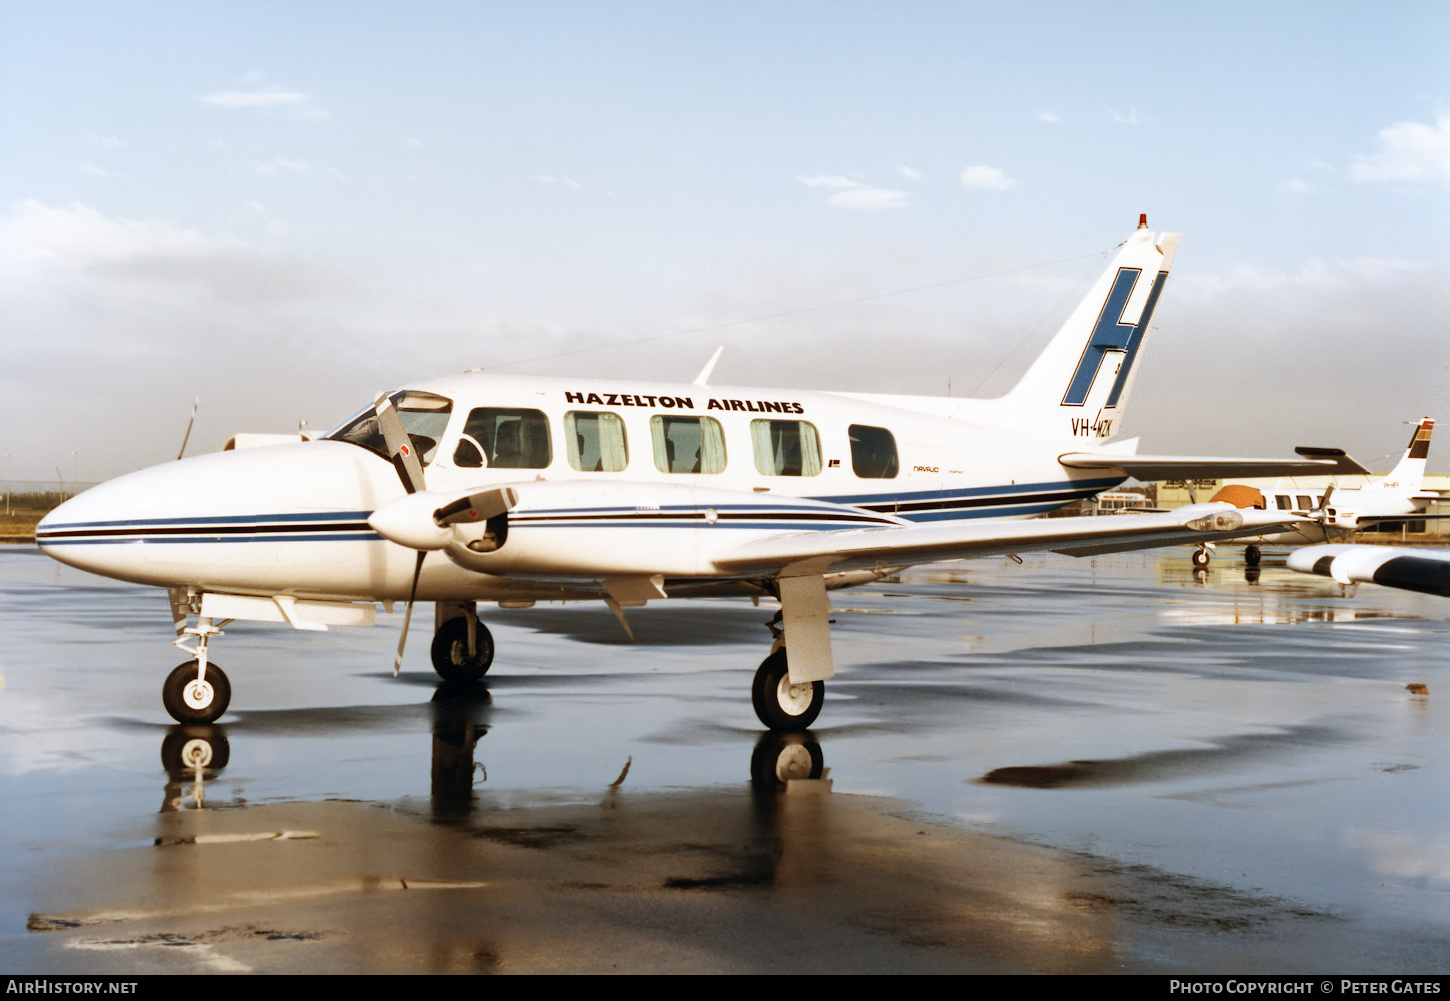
(410, 471)
(1321, 514)
(415, 522)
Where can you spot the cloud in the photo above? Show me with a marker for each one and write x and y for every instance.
(1131, 118)
(853, 194)
(91, 168)
(910, 173)
(266, 97)
(987, 179)
(1294, 186)
(1048, 117)
(110, 142)
(558, 182)
(1408, 152)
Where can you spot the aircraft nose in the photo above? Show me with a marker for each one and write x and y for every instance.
(176, 523)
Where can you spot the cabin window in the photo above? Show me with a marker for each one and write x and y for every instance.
(1304, 504)
(873, 453)
(1283, 501)
(503, 438)
(786, 448)
(687, 444)
(423, 416)
(595, 441)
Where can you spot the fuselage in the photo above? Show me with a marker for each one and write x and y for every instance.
(614, 478)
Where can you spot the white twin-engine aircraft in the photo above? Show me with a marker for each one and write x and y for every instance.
(514, 489)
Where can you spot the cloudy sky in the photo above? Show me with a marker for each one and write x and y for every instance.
(282, 207)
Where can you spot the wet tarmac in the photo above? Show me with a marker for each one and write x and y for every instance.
(1067, 766)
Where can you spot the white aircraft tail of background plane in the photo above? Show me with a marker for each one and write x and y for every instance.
(517, 489)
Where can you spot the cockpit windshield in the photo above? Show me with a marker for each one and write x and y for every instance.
(424, 417)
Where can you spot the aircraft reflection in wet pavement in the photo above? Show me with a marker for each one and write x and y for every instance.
(532, 493)
(194, 754)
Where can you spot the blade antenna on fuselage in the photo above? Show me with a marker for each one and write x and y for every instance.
(187, 437)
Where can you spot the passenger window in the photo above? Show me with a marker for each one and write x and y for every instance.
(504, 439)
(786, 448)
(1283, 501)
(687, 444)
(595, 441)
(1304, 504)
(873, 452)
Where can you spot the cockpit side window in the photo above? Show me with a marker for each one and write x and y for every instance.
(423, 415)
(873, 453)
(504, 438)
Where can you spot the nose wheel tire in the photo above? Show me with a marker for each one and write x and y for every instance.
(450, 651)
(780, 705)
(1200, 559)
(190, 700)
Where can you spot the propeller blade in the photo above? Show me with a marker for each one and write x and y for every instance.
(408, 615)
(187, 437)
(400, 446)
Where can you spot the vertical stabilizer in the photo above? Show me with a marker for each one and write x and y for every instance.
(1081, 383)
(1407, 477)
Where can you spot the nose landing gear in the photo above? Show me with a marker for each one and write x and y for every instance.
(196, 691)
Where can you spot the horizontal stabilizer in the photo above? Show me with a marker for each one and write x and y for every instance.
(1343, 463)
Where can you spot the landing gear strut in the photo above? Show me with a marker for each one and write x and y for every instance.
(462, 647)
(781, 706)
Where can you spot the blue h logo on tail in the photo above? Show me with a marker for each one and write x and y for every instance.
(1111, 334)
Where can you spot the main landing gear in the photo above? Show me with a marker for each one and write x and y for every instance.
(1252, 555)
(462, 647)
(780, 705)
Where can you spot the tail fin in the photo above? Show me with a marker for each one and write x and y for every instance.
(1084, 377)
(1410, 473)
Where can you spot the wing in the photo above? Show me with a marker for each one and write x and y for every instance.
(1424, 570)
(902, 545)
(1315, 461)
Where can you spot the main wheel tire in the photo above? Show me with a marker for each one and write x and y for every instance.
(186, 748)
(1252, 555)
(1200, 559)
(450, 651)
(190, 702)
(781, 706)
